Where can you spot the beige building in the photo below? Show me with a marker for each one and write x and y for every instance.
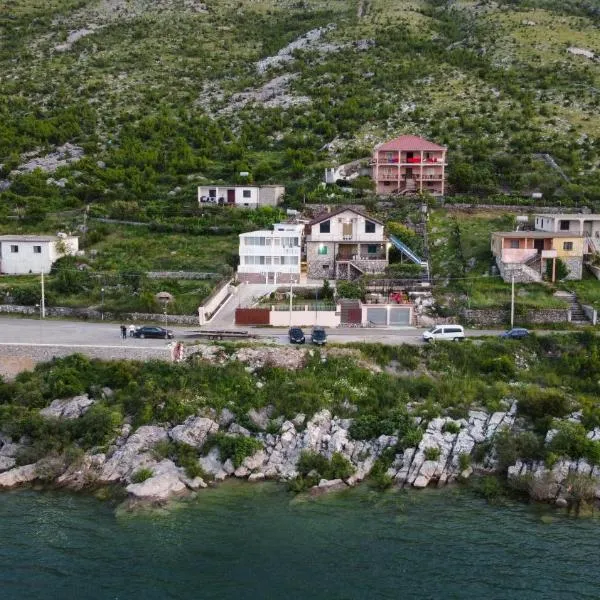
(524, 254)
(345, 244)
(244, 196)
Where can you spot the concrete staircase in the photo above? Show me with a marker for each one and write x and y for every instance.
(578, 316)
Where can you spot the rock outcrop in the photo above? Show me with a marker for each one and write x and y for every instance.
(68, 409)
(194, 431)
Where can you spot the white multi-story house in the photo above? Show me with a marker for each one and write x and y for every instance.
(271, 256)
(246, 196)
(345, 244)
(24, 254)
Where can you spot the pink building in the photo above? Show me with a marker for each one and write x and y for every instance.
(409, 165)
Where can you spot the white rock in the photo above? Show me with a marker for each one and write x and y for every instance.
(195, 484)
(194, 431)
(17, 476)
(6, 463)
(68, 409)
(226, 417)
(256, 477)
(299, 419)
(228, 467)
(10, 450)
(134, 454)
(212, 465)
(238, 430)
(166, 482)
(261, 417)
(241, 472)
(255, 461)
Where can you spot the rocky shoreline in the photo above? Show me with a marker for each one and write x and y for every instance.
(133, 451)
(447, 450)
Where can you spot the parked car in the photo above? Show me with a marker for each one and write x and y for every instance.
(318, 336)
(296, 335)
(153, 332)
(455, 333)
(517, 333)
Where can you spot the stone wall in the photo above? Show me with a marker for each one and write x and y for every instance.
(575, 266)
(15, 358)
(522, 273)
(96, 315)
(498, 317)
(180, 275)
(320, 266)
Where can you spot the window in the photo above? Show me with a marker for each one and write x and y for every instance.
(371, 249)
(567, 245)
(322, 250)
(325, 227)
(247, 194)
(369, 227)
(212, 193)
(564, 225)
(14, 249)
(37, 249)
(514, 243)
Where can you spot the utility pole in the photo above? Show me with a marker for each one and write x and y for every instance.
(43, 303)
(291, 299)
(512, 302)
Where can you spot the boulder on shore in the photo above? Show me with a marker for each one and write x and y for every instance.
(194, 431)
(18, 476)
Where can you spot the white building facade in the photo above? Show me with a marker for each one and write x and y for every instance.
(25, 254)
(245, 196)
(271, 256)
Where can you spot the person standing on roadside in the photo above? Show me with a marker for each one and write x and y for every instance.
(123, 332)
(131, 330)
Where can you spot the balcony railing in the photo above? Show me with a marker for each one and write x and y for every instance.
(344, 258)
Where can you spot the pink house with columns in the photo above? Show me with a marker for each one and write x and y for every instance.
(409, 165)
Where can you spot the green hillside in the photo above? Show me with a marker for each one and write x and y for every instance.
(159, 95)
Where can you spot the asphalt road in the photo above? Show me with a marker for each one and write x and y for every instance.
(81, 333)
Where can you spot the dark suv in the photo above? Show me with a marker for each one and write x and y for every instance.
(296, 335)
(153, 332)
(319, 336)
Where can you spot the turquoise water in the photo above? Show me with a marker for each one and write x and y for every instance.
(243, 541)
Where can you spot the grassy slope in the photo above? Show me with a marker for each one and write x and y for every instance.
(472, 77)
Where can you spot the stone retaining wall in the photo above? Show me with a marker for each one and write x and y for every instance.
(96, 315)
(493, 317)
(15, 358)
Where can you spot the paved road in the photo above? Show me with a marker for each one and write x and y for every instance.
(81, 334)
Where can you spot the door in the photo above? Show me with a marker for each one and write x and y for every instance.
(409, 173)
(538, 245)
(347, 231)
(230, 196)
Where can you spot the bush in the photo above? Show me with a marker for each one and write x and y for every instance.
(464, 461)
(313, 466)
(141, 475)
(432, 453)
(538, 403)
(349, 290)
(572, 441)
(234, 447)
(451, 427)
(489, 487)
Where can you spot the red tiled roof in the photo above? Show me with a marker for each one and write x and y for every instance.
(408, 143)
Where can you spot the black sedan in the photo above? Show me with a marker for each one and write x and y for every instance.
(517, 333)
(153, 332)
(319, 336)
(296, 335)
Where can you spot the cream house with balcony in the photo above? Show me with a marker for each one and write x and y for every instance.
(271, 256)
(345, 244)
(409, 165)
(524, 255)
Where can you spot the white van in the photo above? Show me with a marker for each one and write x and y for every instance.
(444, 332)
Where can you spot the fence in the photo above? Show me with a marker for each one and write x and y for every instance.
(214, 301)
(252, 316)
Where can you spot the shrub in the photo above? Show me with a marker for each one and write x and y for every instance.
(310, 463)
(378, 477)
(141, 475)
(572, 441)
(538, 403)
(349, 290)
(234, 447)
(451, 427)
(464, 461)
(432, 453)
(489, 487)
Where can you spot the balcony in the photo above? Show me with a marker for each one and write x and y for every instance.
(355, 257)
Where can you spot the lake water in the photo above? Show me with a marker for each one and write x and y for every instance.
(242, 541)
